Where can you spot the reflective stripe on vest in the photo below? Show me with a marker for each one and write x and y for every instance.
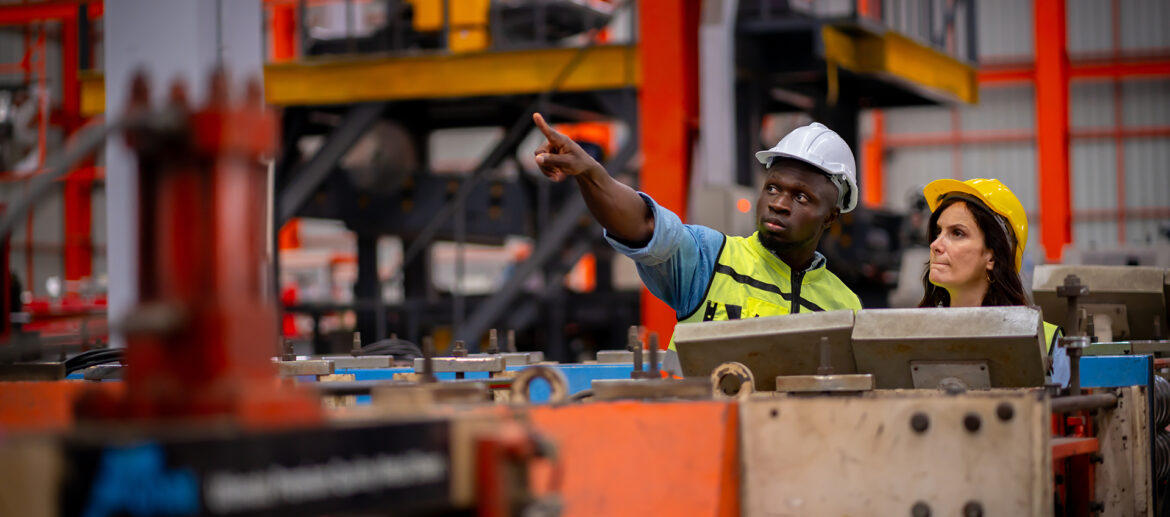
(749, 282)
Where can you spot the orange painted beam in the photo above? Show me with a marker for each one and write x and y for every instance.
(638, 458)
(668, 109)
(1121, 70)
(1007, 75)
(1084, 71)
(1068, 447)
(1052, 85)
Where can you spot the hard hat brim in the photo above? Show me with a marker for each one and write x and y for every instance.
(937, 190)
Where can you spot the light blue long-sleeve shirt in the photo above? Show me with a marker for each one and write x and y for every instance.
(678, 262)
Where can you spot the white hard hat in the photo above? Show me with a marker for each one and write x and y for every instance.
(824, 149)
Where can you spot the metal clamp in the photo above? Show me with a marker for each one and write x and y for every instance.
(558, 385)
(732, 375)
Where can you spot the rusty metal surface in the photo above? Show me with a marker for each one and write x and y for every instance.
(1122, 479)
(824, 383)
(884, 453)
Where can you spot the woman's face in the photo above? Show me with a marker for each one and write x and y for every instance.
(959, 257)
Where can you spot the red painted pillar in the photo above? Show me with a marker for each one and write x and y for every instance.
(1052, 134)
(78, 201)
(283, 30)
(70, 63)
(668, 112)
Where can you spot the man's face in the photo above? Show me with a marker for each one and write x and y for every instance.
(796, 205)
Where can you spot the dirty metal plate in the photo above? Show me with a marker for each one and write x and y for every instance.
(617, 356)
(361, 362)
(516, 358)
(1122, 480)
(616, 389)
(769, 346)
(305, 367)
(824, 383)
(861, 455)
(1008, 339)
(463, 364)
(972, 375)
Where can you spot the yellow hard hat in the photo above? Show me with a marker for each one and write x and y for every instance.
(992, 193)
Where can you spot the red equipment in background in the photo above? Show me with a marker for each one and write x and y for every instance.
(201, 339)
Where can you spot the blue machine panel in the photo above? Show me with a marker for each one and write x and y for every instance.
(1112, 371)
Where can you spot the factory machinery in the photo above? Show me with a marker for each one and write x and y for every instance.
(915, 412)
(881, 412)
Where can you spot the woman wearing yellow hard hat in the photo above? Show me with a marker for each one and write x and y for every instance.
(977, 233)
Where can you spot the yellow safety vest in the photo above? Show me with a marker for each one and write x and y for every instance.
(749, 282)
(1051, 332)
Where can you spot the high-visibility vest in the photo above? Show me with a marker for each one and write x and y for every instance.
(1050, 335)
(749, 281)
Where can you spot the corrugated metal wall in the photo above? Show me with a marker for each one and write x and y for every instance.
(997, 137)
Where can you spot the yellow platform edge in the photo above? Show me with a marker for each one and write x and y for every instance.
(932, 73)
(364, 79)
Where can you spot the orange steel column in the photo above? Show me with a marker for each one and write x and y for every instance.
(1052, 78)
(668, 111)
(872, 159)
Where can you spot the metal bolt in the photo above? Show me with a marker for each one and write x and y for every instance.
(973, 509)
(459, 349)
(826, 367)
(972, 422)
(919, 422)
(289, 353)
(493, 342)
(356, 349)
(1005, 411)
(920, 509)
(632, 339)
(511, 340)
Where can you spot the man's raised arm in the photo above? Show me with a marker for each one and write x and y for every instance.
(617, 207)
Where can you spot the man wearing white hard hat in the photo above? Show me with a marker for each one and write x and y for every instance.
(705, 275)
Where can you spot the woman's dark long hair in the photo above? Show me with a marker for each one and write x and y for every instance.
(1005, 288)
